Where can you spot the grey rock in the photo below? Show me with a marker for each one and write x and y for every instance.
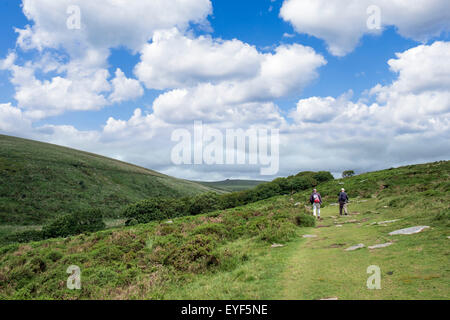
(309, 236)
(385, 222)
(339, 226)
(378, 246)
(411, 230)
(358, 246)
(276, 245)
(169, 222)
(297, 204)
(331, 298)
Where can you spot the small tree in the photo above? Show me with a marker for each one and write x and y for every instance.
(348, 174)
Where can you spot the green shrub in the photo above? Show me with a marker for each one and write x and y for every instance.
(153, 209)
(323, 176)
(305, 220)
(267, 190)
(212, 229)
(75, 223)
(38, 265)
(194, 255)
(54, 256)
(204, 203)
(285, 184)
(348, 173)
(278, 231)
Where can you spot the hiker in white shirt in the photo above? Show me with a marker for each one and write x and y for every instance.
(316, 201)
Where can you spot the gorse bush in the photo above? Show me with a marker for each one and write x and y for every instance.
(157, 209)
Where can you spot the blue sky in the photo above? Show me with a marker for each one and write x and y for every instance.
(346, 64)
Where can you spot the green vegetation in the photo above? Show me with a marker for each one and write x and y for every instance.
(166, 208)
(233, 185)
(39, 182)
(227, 253)
(348, 174)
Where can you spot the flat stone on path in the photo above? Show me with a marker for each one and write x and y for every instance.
(276, 245)
(378, 246)
(309, 236)
(411, 230)
(386, 222)
(358, 246)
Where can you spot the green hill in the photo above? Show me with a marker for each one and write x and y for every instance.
(39, 181)
(233, 185)
(229, 254)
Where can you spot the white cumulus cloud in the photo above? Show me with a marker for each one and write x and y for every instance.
(342, 23)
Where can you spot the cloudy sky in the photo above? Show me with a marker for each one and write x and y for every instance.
(349, 84)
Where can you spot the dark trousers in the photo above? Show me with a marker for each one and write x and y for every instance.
(343, 205)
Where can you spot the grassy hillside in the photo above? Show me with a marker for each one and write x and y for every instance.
(233, 185)
(39, 181)
(228, 254)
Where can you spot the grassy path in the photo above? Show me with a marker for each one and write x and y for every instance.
(414, 267)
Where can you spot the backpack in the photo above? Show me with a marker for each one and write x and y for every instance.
(316, 198)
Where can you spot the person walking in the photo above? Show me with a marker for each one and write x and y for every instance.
(316, 201)
(343, 201)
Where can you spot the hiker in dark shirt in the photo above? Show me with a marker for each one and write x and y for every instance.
(316, 201)
(343, 200)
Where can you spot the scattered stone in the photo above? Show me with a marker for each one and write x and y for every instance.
(309, 236)
(276, 245)
(297, 204)
(385, 222)
(411, 230)
(169, 222)
(339, 226)
(331, 298)
(378, 246)
(354, 213)
(385, 207)
(358, 246)
(448, 237)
